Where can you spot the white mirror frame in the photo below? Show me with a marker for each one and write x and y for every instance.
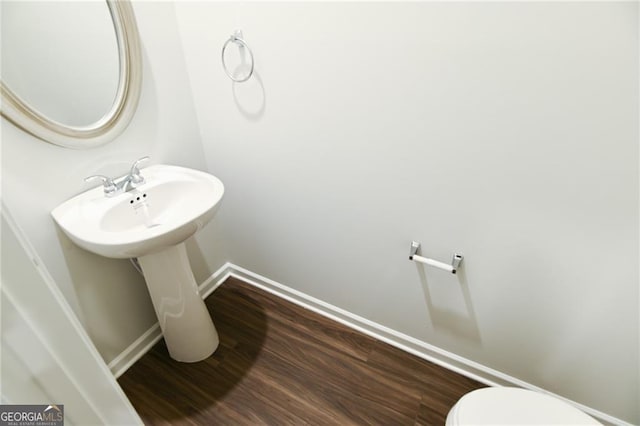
(122, 110)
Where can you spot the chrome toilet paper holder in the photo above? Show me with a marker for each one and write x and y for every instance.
(453, 267)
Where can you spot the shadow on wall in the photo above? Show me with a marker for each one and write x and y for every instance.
(249, 96)
(207, 250)
(112, 295)
(197, 260)
(443, 317)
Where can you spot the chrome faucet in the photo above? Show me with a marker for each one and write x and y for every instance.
(134, 178)
(129, 182)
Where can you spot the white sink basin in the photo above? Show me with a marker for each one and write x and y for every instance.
(151, 223)
(172, 205)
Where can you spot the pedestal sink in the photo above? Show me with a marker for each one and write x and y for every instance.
(151, 223)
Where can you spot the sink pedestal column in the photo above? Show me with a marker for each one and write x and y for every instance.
(184, 319)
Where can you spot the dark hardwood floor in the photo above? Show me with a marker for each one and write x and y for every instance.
(279, 364)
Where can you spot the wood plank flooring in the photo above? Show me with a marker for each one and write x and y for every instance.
(279, 364)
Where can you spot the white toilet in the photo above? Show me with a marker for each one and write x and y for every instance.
(514, 406)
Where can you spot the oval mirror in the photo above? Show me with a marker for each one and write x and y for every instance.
(71, 71)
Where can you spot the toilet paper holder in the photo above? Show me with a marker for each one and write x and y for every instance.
(453, 267)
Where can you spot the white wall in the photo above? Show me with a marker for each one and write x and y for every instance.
(109, 296)
(507, 132)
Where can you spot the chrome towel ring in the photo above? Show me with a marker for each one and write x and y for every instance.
(236, 37)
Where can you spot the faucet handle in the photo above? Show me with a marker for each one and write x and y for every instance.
(135, 176)
(109, 185)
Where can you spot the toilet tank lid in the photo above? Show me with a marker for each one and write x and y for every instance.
(505, 405)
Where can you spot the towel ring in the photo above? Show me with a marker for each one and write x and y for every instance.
(237, 38)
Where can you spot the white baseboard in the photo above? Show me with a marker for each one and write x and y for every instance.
(402, 341)
(135, 351)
